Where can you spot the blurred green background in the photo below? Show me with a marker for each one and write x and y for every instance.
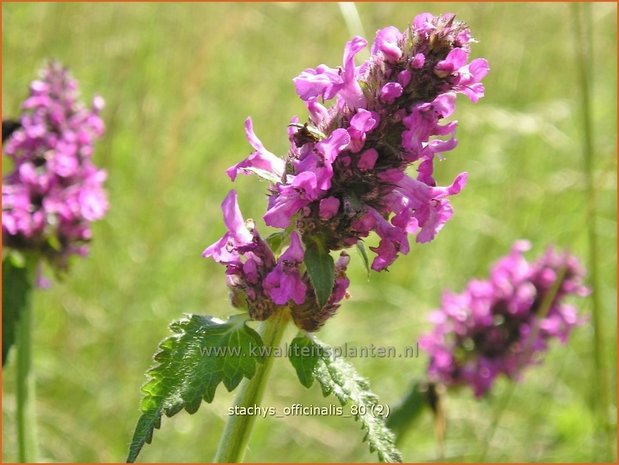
(179, 80)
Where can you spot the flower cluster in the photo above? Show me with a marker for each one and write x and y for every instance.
(502, 325)
(345, 172)
(263, 284)
(344, 175)
(54, 191)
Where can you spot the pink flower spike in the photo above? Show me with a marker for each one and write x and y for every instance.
(499, 315)
(54, 191)
(345, 169)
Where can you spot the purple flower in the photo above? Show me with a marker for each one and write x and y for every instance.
(469, 82)
(425, 205)
(367, 160)
(454, 60)
(284, 283)
(260, 158)
(345, 172)
(327, 82)
(326, 152)
(425, 24)
(360, 124)
(393, 240)
(329, 207)
(390, 92)
(228, 249)
(388, 114)
(300, 191)
(501, 325)
(263, 285)
(387, 43)
(248, 260)
(55, 191)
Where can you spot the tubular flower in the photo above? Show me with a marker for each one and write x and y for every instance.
(260, 283)
(55, 191)
(344, 175)
(284, 283)
(248, 260)
(501, 325)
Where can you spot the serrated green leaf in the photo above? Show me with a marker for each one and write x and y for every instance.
(320, 268)
(313, 359)
(202, 353)
(143, 434)
(364, 256)
(16, 288)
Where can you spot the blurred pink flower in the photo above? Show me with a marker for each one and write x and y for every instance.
(501, 325)
(55, 191)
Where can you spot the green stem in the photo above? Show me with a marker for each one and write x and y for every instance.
(584, 64)
(233, 441)
(25, 389)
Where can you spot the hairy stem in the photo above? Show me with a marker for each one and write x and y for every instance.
(233, 441)
(25, 389)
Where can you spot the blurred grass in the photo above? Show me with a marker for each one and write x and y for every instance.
(179, 79)
(581, 14)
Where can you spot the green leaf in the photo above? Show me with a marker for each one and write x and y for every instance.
(54, 243)
(144, 432)
(313, 360)
(320, 268)
(16, 287)
(303, 359)
(17, 258)
(276, 240)
(364, 256)
(202, 352)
